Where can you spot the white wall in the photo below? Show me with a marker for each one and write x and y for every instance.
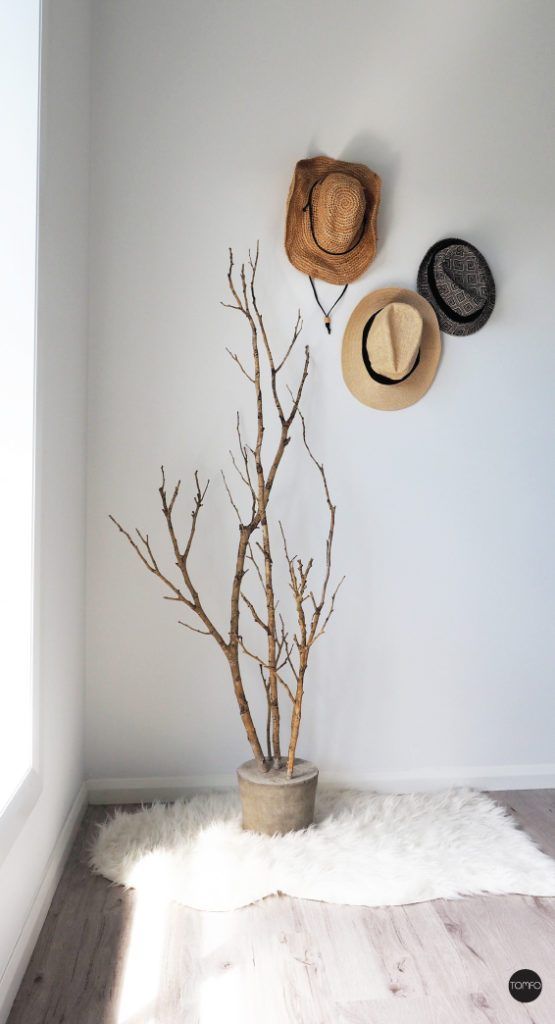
(62, 321)
(442, 650)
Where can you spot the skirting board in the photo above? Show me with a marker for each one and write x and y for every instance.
(21, 955)
(491, 777)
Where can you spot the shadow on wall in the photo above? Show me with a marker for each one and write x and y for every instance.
(376, 152)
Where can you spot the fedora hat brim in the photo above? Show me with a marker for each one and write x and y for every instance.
(300, 244)
(449, 320)
(390, 397)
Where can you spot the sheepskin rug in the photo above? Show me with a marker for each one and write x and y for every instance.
(363, 849)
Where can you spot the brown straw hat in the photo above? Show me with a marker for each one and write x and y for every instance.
(391, 349)
(332, 209)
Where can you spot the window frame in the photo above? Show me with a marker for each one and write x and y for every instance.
(15, 813)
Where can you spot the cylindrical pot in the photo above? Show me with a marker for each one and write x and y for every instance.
(272, 803)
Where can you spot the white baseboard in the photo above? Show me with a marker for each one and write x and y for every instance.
(486, 777)
(491, 777)
(144, 790)
(21, 955)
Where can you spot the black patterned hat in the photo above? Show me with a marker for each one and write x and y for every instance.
(455, 278)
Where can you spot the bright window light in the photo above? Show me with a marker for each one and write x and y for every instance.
(19, 90)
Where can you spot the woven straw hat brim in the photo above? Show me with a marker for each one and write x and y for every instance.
(390, 397)
(301, 248)
(450, 324)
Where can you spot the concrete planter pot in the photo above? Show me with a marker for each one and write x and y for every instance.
(272, 803)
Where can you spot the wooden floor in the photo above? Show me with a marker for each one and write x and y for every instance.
(105, 956)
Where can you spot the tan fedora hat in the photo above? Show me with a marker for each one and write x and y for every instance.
(391, 349)
(332, 211)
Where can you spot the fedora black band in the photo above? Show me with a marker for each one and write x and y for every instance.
(447, 310)
(378, 377)
(308, 206)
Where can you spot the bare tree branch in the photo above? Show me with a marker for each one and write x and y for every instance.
(331, 610)
(152, 565)
(259, 621)
(250, 557)
(296, 332)
(268, 715)
(195, 629)
(236, 359)
(264, 665)
(230, 496)
(257, 470)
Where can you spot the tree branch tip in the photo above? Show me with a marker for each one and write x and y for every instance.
(195, 629)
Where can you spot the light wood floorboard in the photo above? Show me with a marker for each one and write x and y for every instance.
(105, 956)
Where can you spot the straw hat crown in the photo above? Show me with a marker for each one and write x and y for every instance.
(338, 208)
(393, 340)
(391, 349)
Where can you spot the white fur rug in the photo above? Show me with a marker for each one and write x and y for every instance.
(364, 849)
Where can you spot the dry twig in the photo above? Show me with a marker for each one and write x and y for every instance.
(254, 534)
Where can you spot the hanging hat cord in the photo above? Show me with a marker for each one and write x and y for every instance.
(327, 312)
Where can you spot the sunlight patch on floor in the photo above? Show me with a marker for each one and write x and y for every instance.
(223, 987)
(144, 958)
